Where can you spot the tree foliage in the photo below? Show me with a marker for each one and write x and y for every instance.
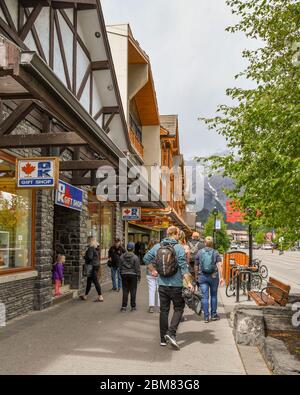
(222, 238)
(262, 127)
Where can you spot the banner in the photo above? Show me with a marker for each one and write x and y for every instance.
(233, 214)
(69, 196)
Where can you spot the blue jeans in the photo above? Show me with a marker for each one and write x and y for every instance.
(116, 278)
(208, 283)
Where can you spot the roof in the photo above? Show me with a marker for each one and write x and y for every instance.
(170, 123)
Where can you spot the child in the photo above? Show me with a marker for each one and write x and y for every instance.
(58, 273)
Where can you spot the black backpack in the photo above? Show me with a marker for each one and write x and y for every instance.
(166, 260)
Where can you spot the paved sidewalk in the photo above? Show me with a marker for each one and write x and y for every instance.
(95, 338)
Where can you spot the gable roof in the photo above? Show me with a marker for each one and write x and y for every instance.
(170, 123)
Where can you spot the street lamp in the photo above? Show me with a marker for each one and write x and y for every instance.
(215, 214)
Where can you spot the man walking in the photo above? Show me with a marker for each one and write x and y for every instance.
(194, 245)
(114, 255)
(131, 275)
(208, 272)
(170, 267)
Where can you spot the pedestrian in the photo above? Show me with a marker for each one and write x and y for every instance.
(208, 271)
(92, 264)
(194, 245)
(58, 274)
(152, 282)
(114, 255)
(170, 268)
(131, 275)
(187, 250)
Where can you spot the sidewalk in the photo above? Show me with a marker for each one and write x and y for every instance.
(95, 338)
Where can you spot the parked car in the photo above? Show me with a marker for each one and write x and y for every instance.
(266, 247)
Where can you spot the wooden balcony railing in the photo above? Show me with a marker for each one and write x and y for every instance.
(136, 143)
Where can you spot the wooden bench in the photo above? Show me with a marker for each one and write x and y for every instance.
(276, 293)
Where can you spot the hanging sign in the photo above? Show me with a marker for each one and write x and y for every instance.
(37, 172)
(69, 196)
(131, 213)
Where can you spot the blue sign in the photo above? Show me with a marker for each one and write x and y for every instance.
(69, 196)
(131, 213)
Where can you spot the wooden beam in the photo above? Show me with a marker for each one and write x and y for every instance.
(62, 50)
(36, 38)
(71, 26)
(41, 140)
(7, 15)
(9, 124)
(16, 96)
(100, 65)
(74, 62)
(82, 164)
(107, 123)
(30, 21)
(106, 110)
(51, 38)
(83, 82)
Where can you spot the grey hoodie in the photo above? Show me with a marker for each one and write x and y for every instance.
(130, 264)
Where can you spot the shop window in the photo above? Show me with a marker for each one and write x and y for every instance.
(100, 224)
(16, 221)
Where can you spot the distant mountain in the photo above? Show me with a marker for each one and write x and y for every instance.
(214, 196)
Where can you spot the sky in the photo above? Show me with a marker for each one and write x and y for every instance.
(194, 60)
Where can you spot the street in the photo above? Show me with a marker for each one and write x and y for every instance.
(285, 268)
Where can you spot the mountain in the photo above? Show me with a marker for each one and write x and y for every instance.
(214, 196)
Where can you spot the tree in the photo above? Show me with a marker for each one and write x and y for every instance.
(222, 238)
(259, 238)
(262, 126)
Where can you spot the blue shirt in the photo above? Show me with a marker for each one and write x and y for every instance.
(177, 279)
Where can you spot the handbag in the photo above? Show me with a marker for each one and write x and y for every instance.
(87, 269)
(108, 263)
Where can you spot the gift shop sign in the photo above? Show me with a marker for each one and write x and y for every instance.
(68, 196)
(37, 173)
(131, 213)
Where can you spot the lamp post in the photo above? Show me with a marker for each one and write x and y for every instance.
(250, 236)
(215, 214)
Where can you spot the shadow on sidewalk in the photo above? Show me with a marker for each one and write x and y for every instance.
(204, 337)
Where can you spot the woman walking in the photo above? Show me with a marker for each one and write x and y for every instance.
(153, 286)
(92, 263)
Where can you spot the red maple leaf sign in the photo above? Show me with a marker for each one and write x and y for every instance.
(127, 211)
(28, 168)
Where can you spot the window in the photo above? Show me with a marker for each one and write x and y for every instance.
(100, 224)
(16, 220)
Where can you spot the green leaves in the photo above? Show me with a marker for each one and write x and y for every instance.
(263, 128)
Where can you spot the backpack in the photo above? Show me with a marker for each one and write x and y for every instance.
(193, 299)
(207, 261)
(194, 248)
(166, 260)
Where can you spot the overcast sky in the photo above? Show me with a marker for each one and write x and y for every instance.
(193, 59)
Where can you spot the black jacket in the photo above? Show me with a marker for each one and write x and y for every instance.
(115, 254)
(130, 264)
(91, 257)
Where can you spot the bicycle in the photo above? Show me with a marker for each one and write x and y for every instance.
(255, 282)
(262, 269)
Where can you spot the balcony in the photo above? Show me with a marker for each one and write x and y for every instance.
(135, 135)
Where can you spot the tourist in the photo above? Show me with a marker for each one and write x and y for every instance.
(208, 272)
(170, 268)
(114, 255)
(194, 245)
(58, 274)
(152, 281)
(131, 275)
(92, 266)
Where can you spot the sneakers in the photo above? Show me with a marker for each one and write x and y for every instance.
(172, 340)
(123, 309)
(133, 309)
(206, 320)
(151, 309)
(216, 317)
(163, 343)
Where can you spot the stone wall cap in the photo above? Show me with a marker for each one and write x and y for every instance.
(7, 278)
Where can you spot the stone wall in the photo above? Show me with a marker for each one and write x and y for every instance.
(44, 248)
(17, 297)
